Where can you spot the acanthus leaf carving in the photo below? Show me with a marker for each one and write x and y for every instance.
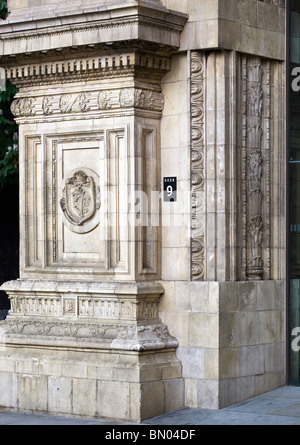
(22, 107)
(255, 167)
(104, 100)
(47, 105)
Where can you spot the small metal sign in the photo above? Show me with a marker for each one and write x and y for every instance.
(170, 189)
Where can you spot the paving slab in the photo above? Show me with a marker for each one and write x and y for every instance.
(290, 410)
(33, 419)
(223, 417)
(261, 405)
(278, 407)
(291, 392)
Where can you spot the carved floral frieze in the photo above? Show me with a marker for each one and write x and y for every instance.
(104, 103)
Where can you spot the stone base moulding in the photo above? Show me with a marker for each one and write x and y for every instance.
(103, 339)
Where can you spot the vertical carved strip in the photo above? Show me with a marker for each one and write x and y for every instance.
(197, 165)
(244, 170)
(267, 173)
(254, 171)
(54, 200)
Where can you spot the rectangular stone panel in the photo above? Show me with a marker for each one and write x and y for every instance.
(75, 215)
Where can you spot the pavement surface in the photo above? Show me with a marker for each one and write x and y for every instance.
(278, 407)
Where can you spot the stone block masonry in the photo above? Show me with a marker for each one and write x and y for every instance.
(146, 306)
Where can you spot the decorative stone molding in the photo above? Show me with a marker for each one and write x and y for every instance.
(197, 164)
(138, 24)
(111, 336)
(103, 103)
(256, 169)
(131, 309)
(73, 103)
(22, 107)
(77, 68)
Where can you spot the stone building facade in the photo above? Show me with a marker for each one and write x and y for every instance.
(130, 304)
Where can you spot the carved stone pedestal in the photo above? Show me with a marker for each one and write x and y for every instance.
(88, 349)
(84, 337)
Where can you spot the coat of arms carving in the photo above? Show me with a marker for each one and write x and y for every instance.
(79, 202)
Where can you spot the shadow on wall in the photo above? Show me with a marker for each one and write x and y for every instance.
(9, 241)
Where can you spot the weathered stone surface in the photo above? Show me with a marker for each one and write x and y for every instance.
(146, 305)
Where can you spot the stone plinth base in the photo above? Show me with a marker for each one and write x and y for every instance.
(231, 338)
(118, 385)
(88, 349)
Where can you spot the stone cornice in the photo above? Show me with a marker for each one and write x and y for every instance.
(103, 67)
(136, 22)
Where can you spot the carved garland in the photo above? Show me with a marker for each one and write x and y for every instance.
(106, 101)
(197, 165)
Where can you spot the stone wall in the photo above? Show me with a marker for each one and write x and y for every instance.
(248, 26)
(231, 337)
(231, 331)
(207, 107)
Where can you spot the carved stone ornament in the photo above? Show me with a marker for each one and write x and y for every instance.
(74, 103)
(197, 165)
(22, 107)
(80, 201)
(255, 161)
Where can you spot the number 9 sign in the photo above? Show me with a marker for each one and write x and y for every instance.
(170, 189)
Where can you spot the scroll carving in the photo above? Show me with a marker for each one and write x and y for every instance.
(197, 166)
